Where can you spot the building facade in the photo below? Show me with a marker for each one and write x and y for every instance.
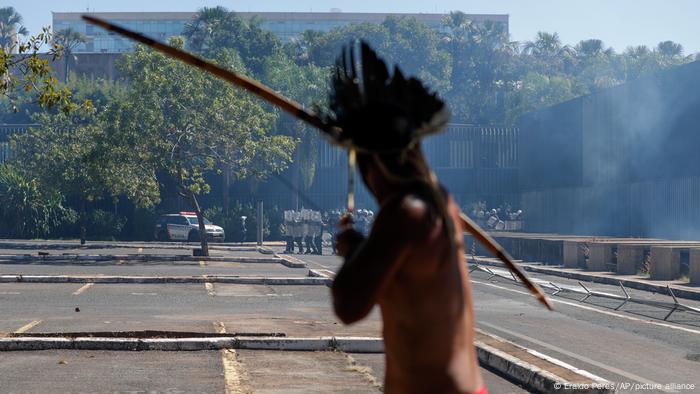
(286, 25)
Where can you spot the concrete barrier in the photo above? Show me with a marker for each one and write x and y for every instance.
(570, 252)
(599, 255)
(551, 251)
(665, 263)
(629, 259)
(694, 267)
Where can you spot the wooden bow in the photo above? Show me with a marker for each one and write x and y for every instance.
(298, 111)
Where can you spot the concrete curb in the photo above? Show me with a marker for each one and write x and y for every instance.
(604, 279)
(291, 262)
(244, 247)
(530, 376)
(345, 344)
(534, 378)
(301, 281)
(26, 259)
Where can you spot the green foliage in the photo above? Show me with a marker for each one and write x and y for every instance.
(104, 225)
(27, 72)
(73, 154)
(10, 28)
(191, 123)
(216, 29)
(28, 211)
(231, 221)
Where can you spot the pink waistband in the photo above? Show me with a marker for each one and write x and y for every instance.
(482, 390)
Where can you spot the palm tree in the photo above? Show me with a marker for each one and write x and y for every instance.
(670, 49)
(10, 28)
(589, 48)
(68, 39)
(204, 24)
(546, 45)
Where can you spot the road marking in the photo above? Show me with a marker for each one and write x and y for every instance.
(254, 295)
(210, 288)
(141, 294)
(233, 369)
(27, 327)
(83, 288)
(585, 359)
(220, 327)
(588, 308)
(202, 263)
(9, 293)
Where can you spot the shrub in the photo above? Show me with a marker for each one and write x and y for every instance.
(27, 211)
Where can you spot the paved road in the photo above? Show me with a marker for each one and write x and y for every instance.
(248, 309)
(633, 345)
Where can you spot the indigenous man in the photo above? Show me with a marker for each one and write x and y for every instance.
(412, 263)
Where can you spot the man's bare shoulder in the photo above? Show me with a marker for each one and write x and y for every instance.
(409, 213)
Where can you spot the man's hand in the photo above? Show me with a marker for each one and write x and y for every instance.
(347, 241)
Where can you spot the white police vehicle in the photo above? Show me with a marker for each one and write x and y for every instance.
(183, 226)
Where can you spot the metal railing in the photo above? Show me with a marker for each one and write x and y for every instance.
(586, 293)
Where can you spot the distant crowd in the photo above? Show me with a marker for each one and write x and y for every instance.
(503, 218)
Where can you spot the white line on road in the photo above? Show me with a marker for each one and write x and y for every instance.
(27, 327)
(588, 308)
(83, 288)
(233, 376)
(255, 295)
(585, 359)
(9, 293)
(210, 288)
(141, 294)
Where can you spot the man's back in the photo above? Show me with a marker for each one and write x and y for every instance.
(416, 274)
(427, 316)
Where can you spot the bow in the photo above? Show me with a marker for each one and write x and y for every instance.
(297, 110)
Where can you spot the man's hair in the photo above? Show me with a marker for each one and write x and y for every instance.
(405, 166)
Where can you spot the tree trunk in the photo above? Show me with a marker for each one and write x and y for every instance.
(65, 69)
(296, 175)
(226, 198)
(200, 221)
(83, 230)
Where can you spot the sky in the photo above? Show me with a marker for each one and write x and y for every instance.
(619, 23)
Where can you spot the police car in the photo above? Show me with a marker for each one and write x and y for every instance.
(183, 226)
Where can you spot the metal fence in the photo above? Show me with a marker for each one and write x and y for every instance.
(584, 293)
(6, 133)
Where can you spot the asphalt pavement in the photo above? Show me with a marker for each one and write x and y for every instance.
(305, 311)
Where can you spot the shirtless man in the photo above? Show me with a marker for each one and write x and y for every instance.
(415, 272)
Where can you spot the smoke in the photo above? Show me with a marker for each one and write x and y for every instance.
(634, 171)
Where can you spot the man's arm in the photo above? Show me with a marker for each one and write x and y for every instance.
(371, 264)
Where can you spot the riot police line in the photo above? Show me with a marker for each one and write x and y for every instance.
(304, 229)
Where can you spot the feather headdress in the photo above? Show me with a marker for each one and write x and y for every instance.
(376, 112)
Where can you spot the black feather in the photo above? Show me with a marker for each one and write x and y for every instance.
(379, 112)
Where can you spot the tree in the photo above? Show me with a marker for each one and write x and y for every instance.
(10, 28)
(191, 123)
(481, 56)
(66, 41)
(26, 72)
(595, 66)
(76, 153)
(538, 91)
(308, 85)
(215, 29)
(28, 211)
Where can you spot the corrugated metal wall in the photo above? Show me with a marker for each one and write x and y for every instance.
(474, 163)
(662, 209)
(6, 132)
(622, 161)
